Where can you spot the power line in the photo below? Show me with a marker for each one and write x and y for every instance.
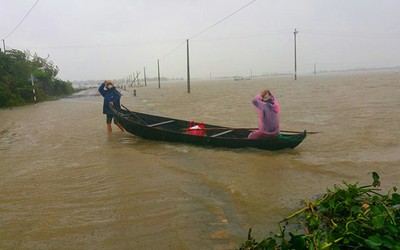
(145, 43)
(243, 36)
(167, 54)
(16, 27)
(350, 34)
(180, 45)
(223, 19)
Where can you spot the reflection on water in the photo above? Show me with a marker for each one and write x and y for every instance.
(66, 183)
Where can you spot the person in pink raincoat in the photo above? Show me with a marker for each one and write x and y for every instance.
(268, 115)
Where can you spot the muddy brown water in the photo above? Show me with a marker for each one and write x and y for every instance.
(65, 183)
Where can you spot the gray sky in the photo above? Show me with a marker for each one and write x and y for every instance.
(104, 39)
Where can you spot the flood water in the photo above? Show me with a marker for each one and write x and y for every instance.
(65, 183)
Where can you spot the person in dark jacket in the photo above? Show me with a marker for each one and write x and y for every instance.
(111, 97)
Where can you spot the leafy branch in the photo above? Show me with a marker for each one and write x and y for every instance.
(349, 217)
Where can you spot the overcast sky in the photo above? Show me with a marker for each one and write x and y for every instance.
(104, 39)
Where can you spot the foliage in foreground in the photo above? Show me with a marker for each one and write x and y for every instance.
(349, 217)
(16, 68)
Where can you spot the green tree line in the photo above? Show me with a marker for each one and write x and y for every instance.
(16, 68)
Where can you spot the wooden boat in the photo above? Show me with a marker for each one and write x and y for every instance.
(173, 130)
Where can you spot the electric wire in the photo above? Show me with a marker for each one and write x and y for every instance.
(167, 54)
(245, 36)
(353, 34)
(223, 19)
(208, 28)
(16, 27)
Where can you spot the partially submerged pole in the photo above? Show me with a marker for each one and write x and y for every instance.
(33, 90)
(4, 45)
(295, 56)
(188, 67)
(158, 67)
(144, 75)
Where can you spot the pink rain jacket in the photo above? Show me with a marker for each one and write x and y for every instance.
(268, 114)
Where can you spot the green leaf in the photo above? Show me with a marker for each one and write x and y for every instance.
(375, 177)
(388, 241)
(298, 242)
(395, 198)
(374, 242)
(377, 209)
(356, 209)
(331, 204)
(378, 221)
(393, 229)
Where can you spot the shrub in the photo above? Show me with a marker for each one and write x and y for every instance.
(349, 217)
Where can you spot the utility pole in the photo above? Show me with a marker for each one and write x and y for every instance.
(295, 56)
(33, 88)
(144, 72)
(158, 67)
(188, 68)
(4, 46)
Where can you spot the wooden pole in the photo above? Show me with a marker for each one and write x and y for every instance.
(132, 80)
(33, 90)
(144, 75)
(158, 67)
(188, 67)
(295, 56)
(137, 74)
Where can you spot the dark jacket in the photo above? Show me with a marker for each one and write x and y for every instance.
(110, 95)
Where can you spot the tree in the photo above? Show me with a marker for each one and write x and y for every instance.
(16, 68)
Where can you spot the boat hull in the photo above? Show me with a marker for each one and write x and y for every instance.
(161, 128)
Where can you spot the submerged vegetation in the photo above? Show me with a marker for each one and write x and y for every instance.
(16, 68)
(349, 217)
